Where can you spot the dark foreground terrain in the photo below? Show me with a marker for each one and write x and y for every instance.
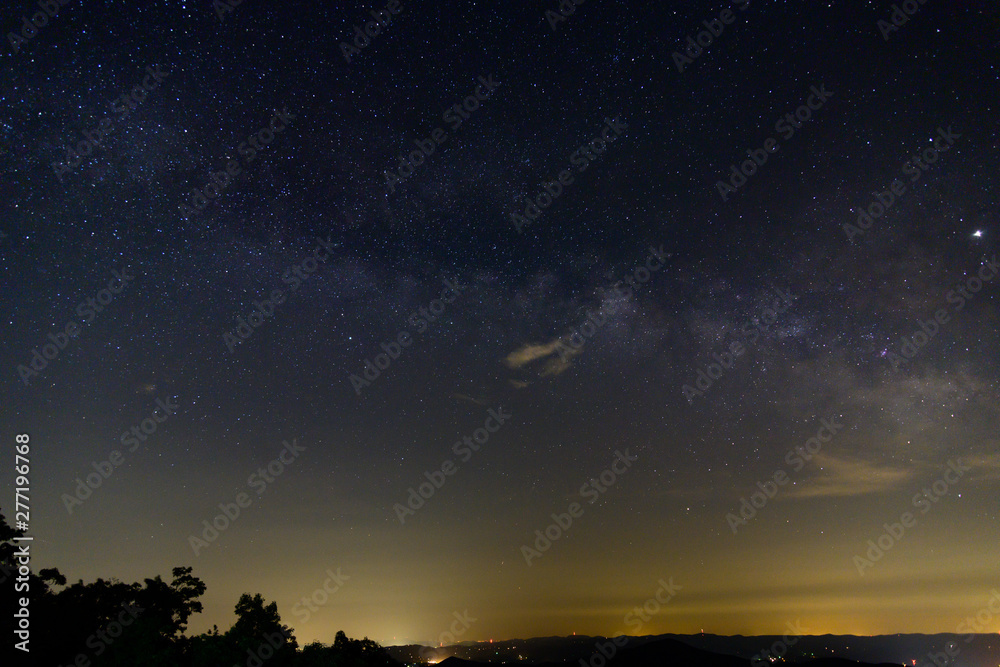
(913, 650)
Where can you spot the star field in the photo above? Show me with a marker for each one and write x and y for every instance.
(509, 338)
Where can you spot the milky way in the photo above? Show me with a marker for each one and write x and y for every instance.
(701, 252)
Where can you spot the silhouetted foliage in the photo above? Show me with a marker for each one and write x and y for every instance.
(114, 624)
(345, 652)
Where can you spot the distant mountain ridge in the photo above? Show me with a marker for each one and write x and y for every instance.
(667, 653)
(921, 650)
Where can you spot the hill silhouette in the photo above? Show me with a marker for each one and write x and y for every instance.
(672, 652)
(662, 653)
(893, 649)
(457, 662)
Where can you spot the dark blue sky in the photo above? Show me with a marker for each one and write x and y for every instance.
(773, 314)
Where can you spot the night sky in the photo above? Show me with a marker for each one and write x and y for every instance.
(577, 303)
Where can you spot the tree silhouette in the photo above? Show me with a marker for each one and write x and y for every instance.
(258, 632)
(115, 624)
(345, 652)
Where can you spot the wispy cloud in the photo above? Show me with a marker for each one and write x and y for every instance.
(850, 477)
(528, 353)
(535, 351)
(470, 399)
(985, 467)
